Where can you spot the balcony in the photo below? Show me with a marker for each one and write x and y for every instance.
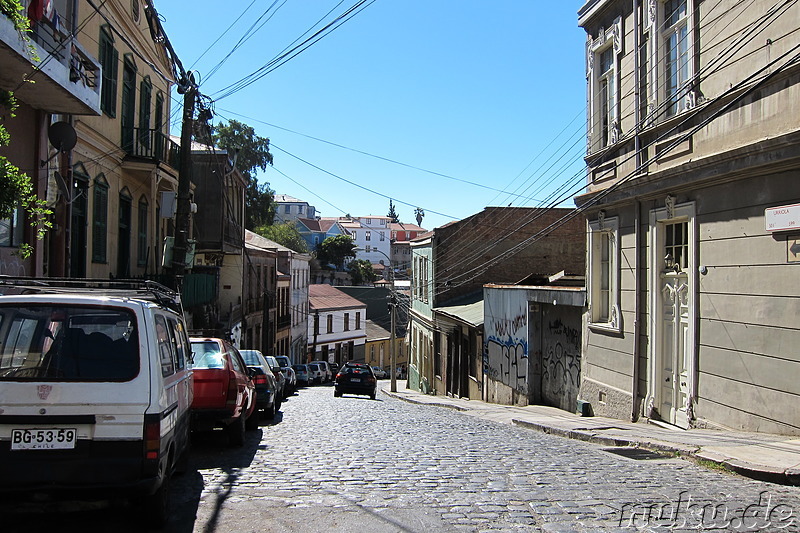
(66, 78)
(151, 144)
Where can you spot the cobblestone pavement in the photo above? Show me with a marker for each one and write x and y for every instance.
(355, 465)
(349, 464)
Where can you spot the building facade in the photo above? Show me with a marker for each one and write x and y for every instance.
(693, 154)
(289, 209)
(336, 325)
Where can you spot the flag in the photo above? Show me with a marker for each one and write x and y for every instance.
(39, 9)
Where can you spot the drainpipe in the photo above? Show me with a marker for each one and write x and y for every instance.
(637, 222)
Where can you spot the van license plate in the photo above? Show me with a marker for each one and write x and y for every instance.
(44, 439)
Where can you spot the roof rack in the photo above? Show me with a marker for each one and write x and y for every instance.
(130, 288)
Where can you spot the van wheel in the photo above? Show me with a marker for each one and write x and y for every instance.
(251, 424)
(157, 505)
(236, 431)
(269, 412)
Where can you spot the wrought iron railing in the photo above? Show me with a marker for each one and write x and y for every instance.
(151, 144)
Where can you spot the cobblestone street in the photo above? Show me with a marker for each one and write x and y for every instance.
(350, 464)
(353, 464)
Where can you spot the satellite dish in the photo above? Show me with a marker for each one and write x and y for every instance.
(62, 136)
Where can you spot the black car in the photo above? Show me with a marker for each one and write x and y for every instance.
(355, 378)
(267, 396)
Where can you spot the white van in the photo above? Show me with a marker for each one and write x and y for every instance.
(327, 375)
(95, 389)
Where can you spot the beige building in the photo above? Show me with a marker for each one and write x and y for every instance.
(124, 159)
(691, 200)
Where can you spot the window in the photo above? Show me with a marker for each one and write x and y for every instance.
(603, 54)
(158, 127)
(166, 347)
(109, 60)
(11, 229)
(141, 237)
(604, 274)
(287, 209)
(100, 220)
(394, 235)
(347, 321)
(128, 102)
(354, 235)
(300, 209)
(382, 235)
(358, 320)
(367, 236)
(369, 222)
(316, 324)
(330, 323)
(671, 58)
(607, 94)
(676, 55)
(145, 94)
(676, 244)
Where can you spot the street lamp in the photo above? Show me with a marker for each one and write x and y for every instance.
(393, 309)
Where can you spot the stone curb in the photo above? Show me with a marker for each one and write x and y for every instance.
(755, 471)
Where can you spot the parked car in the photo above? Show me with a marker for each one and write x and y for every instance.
(379, 372)
(355, 378)
(267, 398)
(315, 373)
(334, 369)
(224, 393)
(288, 373)
(326, 371)
(301, 374)
(96, 388)
(283, 385)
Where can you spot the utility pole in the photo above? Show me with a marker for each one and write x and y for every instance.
(393, 339)
(182, 213)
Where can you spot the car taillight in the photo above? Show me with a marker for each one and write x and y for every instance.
(152, 436)
(260, 379)
(233, 392)
(339, 375)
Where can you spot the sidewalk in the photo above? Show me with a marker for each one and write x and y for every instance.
(767, 457)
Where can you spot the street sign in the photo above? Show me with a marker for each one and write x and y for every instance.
(782, 218)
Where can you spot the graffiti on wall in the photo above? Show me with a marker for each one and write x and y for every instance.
(561, 363)
(506, 344)
(11, 266)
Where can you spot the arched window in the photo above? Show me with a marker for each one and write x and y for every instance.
(141, 237)
(100, 220)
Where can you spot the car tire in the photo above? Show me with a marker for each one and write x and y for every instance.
(156, 506)
(236, 431)
(372, 396)
(278, 403)
(337, 394)
(251, 424)
(269, 412)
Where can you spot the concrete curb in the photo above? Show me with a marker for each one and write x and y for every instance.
(694, 453)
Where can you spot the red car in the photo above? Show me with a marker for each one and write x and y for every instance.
(224, 393)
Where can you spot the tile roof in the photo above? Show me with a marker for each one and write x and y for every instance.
(323, 296)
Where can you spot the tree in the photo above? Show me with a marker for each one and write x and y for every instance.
(336, 250)
(250, 153)
(361, 271)
(392, 213)
(16, 187)
(285, 234)
(419, 213)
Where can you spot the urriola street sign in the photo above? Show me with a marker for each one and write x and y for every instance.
(782, 218)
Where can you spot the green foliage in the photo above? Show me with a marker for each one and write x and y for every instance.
(392, 213)
(285, 234)
(362, 272)
(336, 250)
(14, 10)
(16, 188)
(251, 153)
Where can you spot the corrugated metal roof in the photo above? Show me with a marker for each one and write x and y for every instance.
(470, 313)
(322, 297)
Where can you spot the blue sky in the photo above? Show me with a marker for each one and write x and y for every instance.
(447, 105)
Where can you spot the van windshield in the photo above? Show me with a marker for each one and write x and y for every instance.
(68, 343)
